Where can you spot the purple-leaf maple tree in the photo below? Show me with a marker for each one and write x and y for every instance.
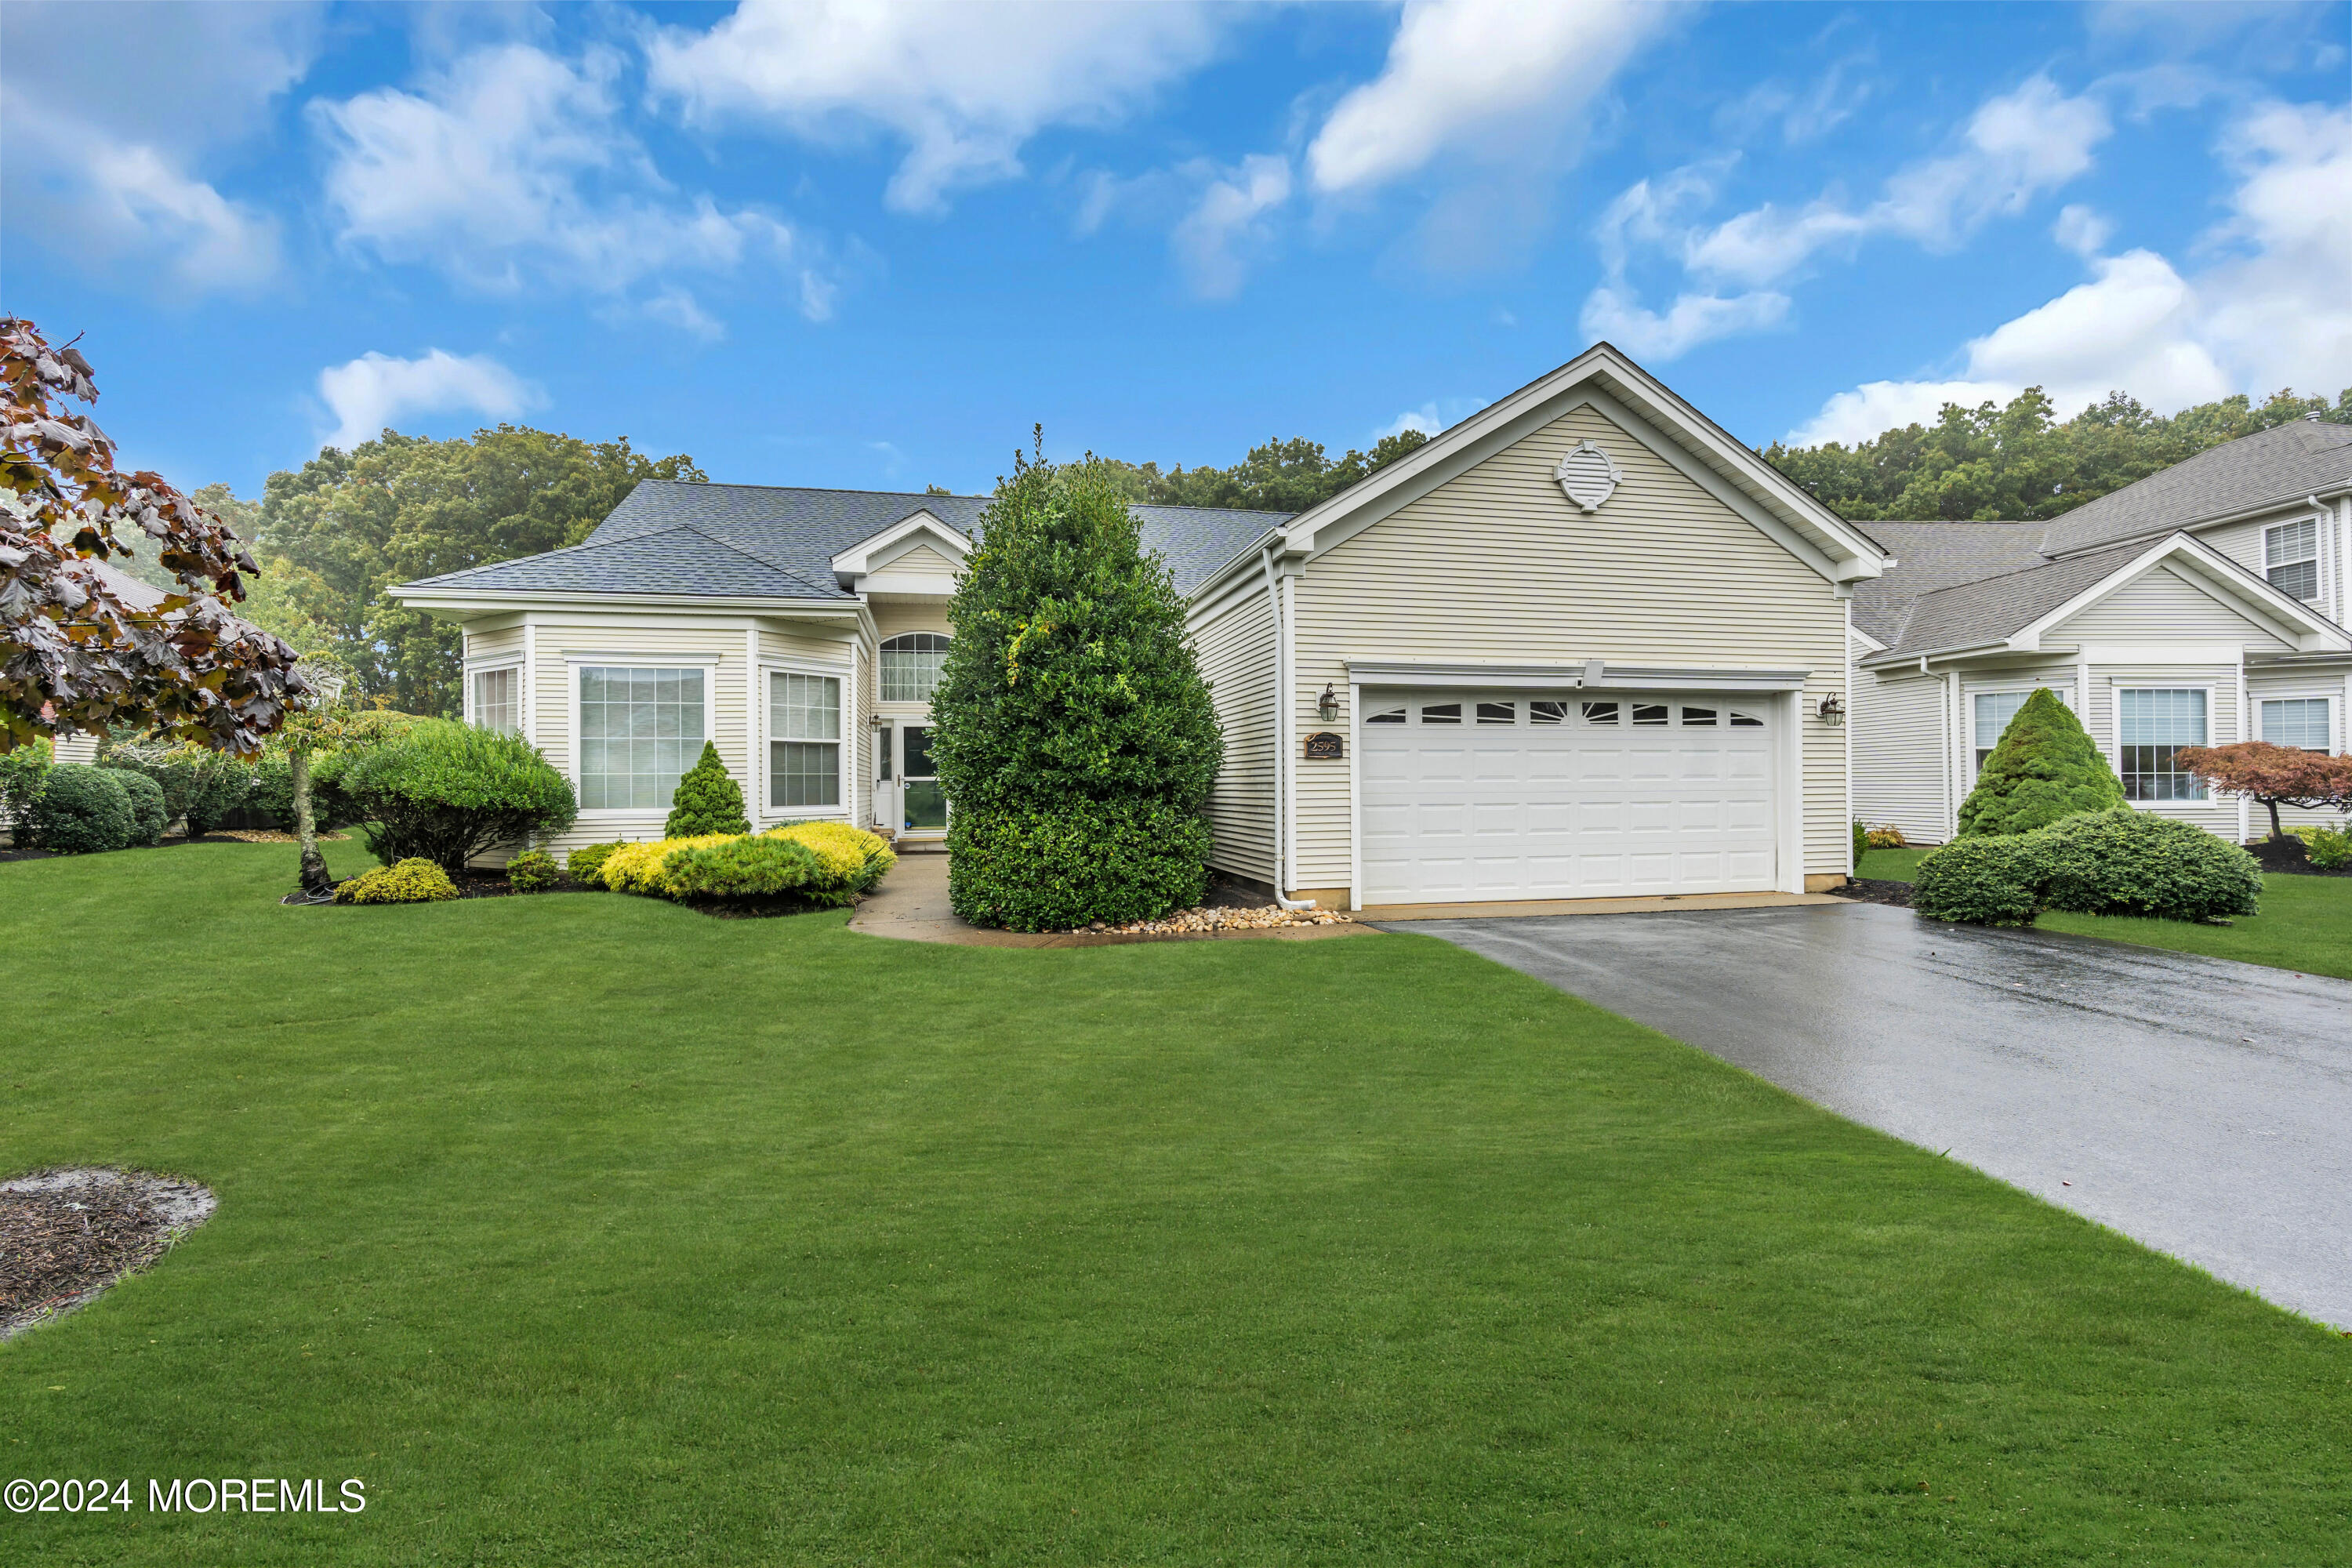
(81, 646)
(2273, 776)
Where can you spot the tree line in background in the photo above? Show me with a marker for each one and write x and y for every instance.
(2021, 463)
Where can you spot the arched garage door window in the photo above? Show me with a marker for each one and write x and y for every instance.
(910, 665)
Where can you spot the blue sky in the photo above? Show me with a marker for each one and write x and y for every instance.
(869, 244)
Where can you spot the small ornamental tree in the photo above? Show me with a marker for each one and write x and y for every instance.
(707, 801)
(2273, 776)
(1072, 731)
(75, 655)
(445, 792)
(2045, 767)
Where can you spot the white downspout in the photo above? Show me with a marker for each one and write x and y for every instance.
(1284, 873)
(1960, 749)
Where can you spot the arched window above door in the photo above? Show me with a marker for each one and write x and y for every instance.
(910, 665)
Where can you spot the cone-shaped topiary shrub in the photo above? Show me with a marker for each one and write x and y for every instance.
(1072, 730)
(2130, 862)
(2046, 767)
(707, 801)
(82, 810)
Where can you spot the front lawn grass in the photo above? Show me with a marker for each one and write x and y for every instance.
(2305, 922)
(586, 1229)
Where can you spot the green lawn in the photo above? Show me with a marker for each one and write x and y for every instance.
(2305, 922)
(586, 1229)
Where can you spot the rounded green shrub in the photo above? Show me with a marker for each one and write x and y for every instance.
(2331, 847)
(147, 818)
(82, 810)
(707, 801)
(2131, 862)
(533, 871)
(2045, 768)
(1059, 868)
(586, 864)
(445, 792)
(200, 787)
(22, 769)
(1980, 881)
(1073, 733)
(759, 867)
(411, 881)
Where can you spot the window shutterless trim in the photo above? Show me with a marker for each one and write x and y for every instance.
(759, 726)
(576, 666)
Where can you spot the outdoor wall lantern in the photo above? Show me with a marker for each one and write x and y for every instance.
(1833, 710)
(1327, 707)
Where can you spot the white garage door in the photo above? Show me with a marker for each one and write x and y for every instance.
(1512, 796)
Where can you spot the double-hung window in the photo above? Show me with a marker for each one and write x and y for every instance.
(911, 662)
(803, 739)
(640, 729)
(494, 702)
(1994, 710)
(2290, 558)
(2296, 722)
(2152, 726)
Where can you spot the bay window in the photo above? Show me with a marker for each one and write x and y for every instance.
(640, 729)
(495, 707)
(2152, 725)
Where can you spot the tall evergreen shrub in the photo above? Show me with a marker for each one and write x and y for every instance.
(1072, 730)
(2046, 767)
(707, 801)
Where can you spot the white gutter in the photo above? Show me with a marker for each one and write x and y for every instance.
(1285, 873)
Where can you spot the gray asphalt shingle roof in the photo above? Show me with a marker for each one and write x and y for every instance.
(772, 540)
(1933, 555)
(1970, 614)
(2280, 464)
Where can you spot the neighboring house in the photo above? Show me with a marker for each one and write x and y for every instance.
(1577, 645)
(2202, 605)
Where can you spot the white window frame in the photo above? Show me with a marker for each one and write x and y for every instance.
(2318, 587)
(1969, 696)
(851, 723)
(881, 670)
(2116, 719)
(490, 666)
(574, 663)
(2335, 742)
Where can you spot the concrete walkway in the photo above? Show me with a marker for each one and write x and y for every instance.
(2200, 1105)
(912, 906)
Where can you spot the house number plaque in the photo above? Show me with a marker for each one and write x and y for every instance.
(1325, 747)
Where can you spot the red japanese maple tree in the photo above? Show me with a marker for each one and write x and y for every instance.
(79, 652)
(2273, 776)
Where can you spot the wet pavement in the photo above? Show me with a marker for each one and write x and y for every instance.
(2200, 1105)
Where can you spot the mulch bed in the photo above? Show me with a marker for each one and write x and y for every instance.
(67, 1235)
(1870, 891)
(2289, 858)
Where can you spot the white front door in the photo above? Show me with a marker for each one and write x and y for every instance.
(906, 794)
(1472, 796)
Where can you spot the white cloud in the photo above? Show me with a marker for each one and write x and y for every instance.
(2271, 314)
(1431, 418)
(2015, 147)
(2081, 230)
(110, 114)
(964, 86)
(675, 307)
(1692, 320)
(376, 391)
(1228, 219)
(1472, 73)
(512, 167)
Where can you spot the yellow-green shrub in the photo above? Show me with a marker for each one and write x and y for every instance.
(638, 868)
(412, 881)
(858, 859)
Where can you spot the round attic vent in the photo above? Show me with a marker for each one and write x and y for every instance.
(1590, 476)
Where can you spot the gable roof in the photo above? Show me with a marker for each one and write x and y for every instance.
(671, 537)
(2279, 465)
(2009, 607)
(1605, 378)
(1928, 556)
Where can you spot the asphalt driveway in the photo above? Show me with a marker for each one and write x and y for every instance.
(2202, 1105)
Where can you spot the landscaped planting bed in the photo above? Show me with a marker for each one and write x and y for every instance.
(590, 1230)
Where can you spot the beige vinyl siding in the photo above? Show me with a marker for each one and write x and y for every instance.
(503, 642)
(1235, 650)
(2223, 725)
(2242, 542)
(2162, 606)
(1899, 753)
(1498, 565)
(922, 561)
(892, 616)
